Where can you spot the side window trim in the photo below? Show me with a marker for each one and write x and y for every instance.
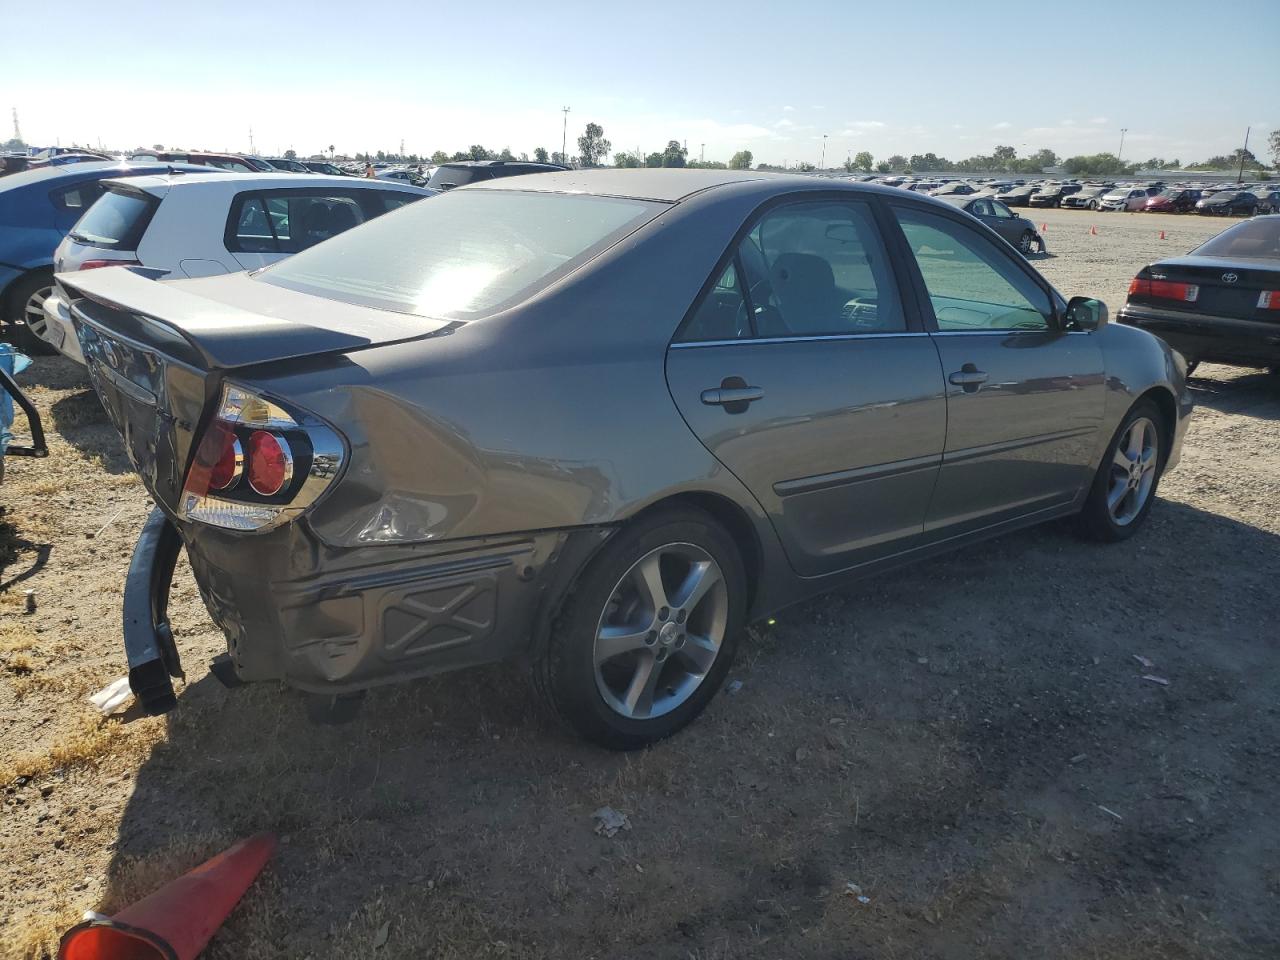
(231, 235)
(912, 269)
(894, 244)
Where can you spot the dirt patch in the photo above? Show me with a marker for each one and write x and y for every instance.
(968, 742)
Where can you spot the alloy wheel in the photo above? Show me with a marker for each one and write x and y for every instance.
(1133, 471)
(661, 631)
(1025, 242)
(33, 311)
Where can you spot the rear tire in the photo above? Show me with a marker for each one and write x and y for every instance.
(24, 313)
(636, 612)
(1125, 485)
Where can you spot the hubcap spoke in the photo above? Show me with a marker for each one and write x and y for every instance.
(649, 575)
(1134, 471)
(1137, 436)
(701, 579)
(1116, 494)
(1122, 460)
(615, 641)
(699, 651)
(639, 698)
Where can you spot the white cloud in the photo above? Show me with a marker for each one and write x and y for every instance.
(784, 122)
(1002, 125)
(866, 124)
(788, 109)
(1098, 120)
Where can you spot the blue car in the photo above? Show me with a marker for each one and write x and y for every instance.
(37, 209)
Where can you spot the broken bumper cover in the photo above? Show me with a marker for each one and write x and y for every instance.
(337, 621)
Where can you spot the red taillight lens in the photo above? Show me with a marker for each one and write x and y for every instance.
(230, 463)
(1269, 300)
(95, 264)
(270, 463)
(1164, 289)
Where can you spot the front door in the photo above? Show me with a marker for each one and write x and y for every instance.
(801, 370)
(1024, 397)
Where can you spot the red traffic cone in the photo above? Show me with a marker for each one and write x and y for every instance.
(1044, 228)
(1093, 231)
(1161, 234)
(176, 921)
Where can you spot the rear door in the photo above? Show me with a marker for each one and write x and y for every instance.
(1024, 397)
(806, 372)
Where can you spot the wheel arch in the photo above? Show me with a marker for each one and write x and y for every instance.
(1165, 402)
(9, 291)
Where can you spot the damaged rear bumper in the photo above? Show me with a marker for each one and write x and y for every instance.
(334, 621)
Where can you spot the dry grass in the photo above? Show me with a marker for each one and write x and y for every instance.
(92, 742)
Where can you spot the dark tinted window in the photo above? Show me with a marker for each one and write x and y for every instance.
(447, 177)
(288, 222)
(819, 269)
(462, 254)
(1253, 239)
(116, 220)
(722, 315)
(394, 199)
(79, 197)
(972, 285)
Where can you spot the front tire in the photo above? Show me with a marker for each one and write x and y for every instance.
(1026, 242)
(1125, 485)
(648, 633)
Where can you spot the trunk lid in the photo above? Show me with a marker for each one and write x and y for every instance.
(157, 352)
(1236, 299)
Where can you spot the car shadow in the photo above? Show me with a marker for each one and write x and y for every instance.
(13, 546)
(450, 809)
(1237, 390)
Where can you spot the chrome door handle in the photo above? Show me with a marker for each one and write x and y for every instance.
(721, 396)
(969, 378)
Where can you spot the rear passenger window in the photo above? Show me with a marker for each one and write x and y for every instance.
(819, 269)
(79, 197)
(722, 315)
(288, 223)
(394, 200)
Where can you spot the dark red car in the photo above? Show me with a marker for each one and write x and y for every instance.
(1173, 201)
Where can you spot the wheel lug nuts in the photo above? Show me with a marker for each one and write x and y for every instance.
(681, 616)
(664, 612)
(651, 637)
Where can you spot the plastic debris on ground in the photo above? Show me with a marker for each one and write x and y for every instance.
(113, 698)
(609, 821)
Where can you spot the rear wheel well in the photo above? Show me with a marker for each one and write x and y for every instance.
(1164, 402)
(735, 522)
(8, 302)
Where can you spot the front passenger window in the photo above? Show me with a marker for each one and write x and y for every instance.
(972, 285)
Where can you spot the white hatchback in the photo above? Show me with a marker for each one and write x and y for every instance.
(1124, 198)
(204, 226)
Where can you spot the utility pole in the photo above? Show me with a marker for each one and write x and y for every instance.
(1123, 131)
(822, 164)
(1243, 154)
(564, 137)
(17, 131)
(702, 154)
(252, 150)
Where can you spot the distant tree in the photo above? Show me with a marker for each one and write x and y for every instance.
(331, 150)
(157, 147)
(14, 145)
(592, 146)
(382, 155)
(1273, 144)
(439, 157)
(1098, 164)
(883, 167)
(478, 152)
(1005, 154)
(540, 154)
(505, 154)
(898, 163)
(864, 161)
(806, 167)
(928, 162)
(290, 154)
(741, 160)
(524, 155)
(624, 159)
(707, 165)
(560, 158)
(654, 159)
(674, 155)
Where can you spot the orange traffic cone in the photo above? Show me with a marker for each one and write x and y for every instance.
(1161, 234)
(176, 921)
(1044, 228)
(1093, 231)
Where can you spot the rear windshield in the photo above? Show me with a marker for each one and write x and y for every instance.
(116, 220)
(1252, 239)
(446, 178)
(462, 254)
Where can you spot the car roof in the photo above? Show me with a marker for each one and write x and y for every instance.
(958, 201)
(663, 184)
(92, 170)
(275, 181)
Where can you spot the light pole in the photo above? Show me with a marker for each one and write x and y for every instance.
(564, 136)
(1123, 131)
(822, 164)
(702, 153)
(1243, 153)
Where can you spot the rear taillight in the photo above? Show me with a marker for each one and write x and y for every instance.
(1163, 289)
(258, 464)
(95, 264)
(1269, 300)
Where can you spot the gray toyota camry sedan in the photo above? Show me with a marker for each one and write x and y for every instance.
(602, 421)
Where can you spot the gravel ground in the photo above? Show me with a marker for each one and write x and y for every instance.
(957, 760)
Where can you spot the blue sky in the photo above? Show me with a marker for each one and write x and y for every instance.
(956, 79)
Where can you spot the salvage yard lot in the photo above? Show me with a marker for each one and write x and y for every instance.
(970, 742)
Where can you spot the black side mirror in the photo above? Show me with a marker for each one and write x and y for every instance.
(1085, 314)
